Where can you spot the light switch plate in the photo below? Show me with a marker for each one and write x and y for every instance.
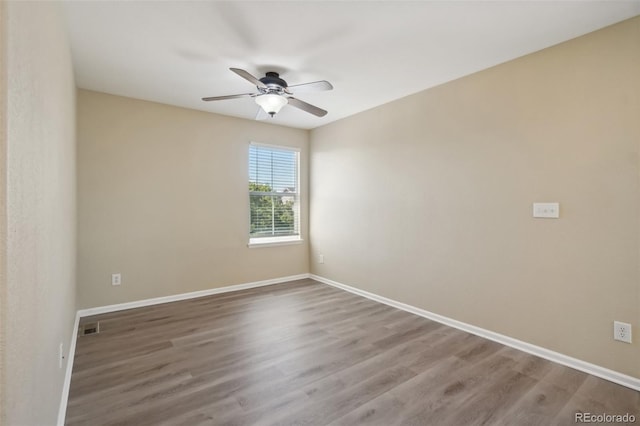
(546, 210)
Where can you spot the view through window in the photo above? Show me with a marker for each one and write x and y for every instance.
(273, 193)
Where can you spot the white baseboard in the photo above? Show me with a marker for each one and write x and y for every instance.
(595, 370)
(62, 411)
(184, 296)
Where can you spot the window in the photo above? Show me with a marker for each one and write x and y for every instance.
(274, 197)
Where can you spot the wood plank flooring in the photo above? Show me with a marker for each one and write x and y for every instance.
(304, 353)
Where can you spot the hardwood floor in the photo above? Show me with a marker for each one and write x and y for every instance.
(304, 353)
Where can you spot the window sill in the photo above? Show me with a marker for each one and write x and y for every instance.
(274, 241)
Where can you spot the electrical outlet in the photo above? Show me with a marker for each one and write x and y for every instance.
(116, 279)
(546, 210)
(622, 331)
(321, 258)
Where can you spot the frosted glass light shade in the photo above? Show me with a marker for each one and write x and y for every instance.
(270, 103)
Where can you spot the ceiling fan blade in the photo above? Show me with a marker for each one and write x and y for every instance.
(310, 87)
(221, 98)
(244, 74)
(307, 107)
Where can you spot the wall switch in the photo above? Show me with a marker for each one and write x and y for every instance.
(321, 258)
(546, 210)
(622, 331)
(116, 279)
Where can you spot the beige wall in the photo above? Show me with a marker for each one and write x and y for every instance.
(162, 199)
(39, 309)
(428, 200)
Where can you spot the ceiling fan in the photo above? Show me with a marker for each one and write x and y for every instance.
(274, 93)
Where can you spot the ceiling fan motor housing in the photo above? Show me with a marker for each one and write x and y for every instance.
(273, 82)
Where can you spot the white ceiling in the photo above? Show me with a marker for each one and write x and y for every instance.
(177, 52)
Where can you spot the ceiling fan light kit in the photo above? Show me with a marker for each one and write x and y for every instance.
(274, 93)
(271, 103)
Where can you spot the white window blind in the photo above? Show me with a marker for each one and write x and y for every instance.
(273, 192)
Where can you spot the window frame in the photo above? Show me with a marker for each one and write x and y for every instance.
(283, 239)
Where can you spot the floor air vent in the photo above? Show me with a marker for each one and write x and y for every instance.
(89, 328)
